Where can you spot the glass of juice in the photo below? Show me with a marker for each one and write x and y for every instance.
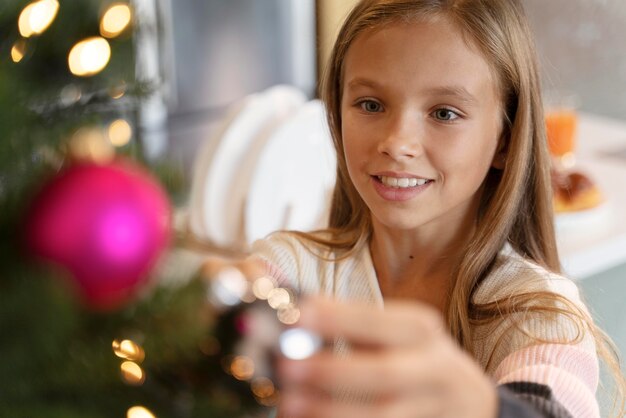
(561, 120)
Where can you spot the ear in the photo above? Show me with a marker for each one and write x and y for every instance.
(499, 158)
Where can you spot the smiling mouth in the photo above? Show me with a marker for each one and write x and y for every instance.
(402, 182)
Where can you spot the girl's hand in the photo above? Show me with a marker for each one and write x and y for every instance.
(401, 358)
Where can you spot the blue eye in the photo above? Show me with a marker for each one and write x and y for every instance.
(370, 106)
(445, 115)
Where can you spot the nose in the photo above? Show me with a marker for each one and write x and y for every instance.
(402, 137)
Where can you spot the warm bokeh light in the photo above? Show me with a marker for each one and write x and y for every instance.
(116, 18)
(288, 314)
(262, 387)
(229, 287)
(129, 350)
(117, 91)
(139, 412)
(264, 391)
(70, 94)
(278, 297)
(120, 132)
(262, 287)
(37, 16)
(90, 144)
(132, 373)
(270, 400)
(89, 57)
(18, 50)
(242, 368)
(248, 297)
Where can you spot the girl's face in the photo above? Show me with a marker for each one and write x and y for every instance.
(421, 121)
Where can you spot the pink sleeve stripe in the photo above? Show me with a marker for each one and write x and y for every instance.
(571, 358)
(569, 371)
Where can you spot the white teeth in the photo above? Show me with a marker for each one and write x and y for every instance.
(402, 183)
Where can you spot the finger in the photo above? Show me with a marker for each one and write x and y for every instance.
(379, 373)
(399, 324)
(300, 405)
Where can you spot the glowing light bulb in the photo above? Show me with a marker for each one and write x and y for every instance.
(262, 387)
(128, 349)
(264, 391)
(139, 412)
(70, 95)
(278, 297)
(262, 287)
(117, 91)
(299, 344)
(18, 50)
(242, 368)
(90, 144)
(228, 288)
(132, 373)
(288, 314)
(89, 57)
(120, 132)
(37, 16)
(115, 20)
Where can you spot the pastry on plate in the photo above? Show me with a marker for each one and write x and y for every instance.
(574, 191)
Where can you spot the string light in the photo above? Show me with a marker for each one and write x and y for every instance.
(228, 288)
(139, 412)
(278, 297)
(18, 50)
(116, 18)
(132, 373)
(70, 94)
(89, 57)
(128, 350)
(262, 387)
(288, 314)
(262, 287)
(120, 132)
(37, 17)
(117, 91)
(242, 368)
(90, 144)
(298, 343)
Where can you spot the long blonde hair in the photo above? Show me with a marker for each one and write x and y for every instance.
(516, 204)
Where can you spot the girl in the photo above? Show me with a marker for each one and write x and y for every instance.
(443, 211)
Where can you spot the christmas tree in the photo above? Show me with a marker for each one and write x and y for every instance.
(70, 102)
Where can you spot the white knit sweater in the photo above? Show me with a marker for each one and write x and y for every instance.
(558, 379)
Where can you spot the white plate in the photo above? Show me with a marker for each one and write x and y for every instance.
(584, 219)
(294, 176)
(222, 196)
(202, 165)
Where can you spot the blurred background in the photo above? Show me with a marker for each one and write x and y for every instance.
(153, 82)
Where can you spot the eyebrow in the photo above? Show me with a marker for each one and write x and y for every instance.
(362, 82)
(458, 92)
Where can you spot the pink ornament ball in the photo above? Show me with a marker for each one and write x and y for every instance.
(105, 224)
